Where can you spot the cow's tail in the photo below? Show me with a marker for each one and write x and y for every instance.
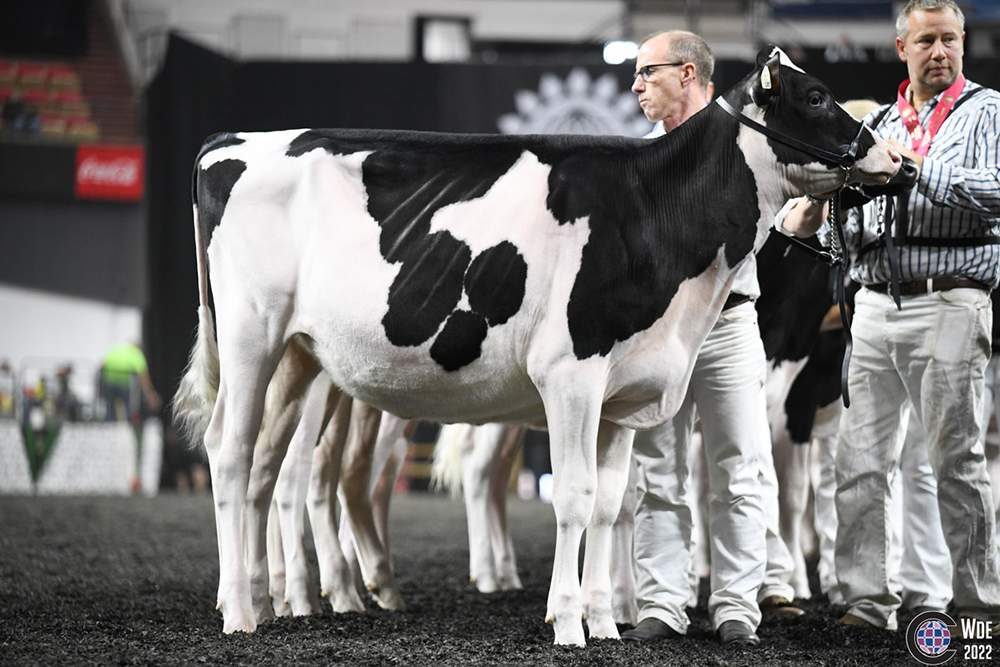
(446, 470)
(199, 387)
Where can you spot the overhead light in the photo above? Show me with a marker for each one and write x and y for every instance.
(617, 52)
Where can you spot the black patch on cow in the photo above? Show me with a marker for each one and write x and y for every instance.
(657, 216)
(460, 341)
(816, 385)
(426, 289)
(795, 295)
(495, 283)
(215, 183)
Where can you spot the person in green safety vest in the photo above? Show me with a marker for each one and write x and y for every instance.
(121, 362)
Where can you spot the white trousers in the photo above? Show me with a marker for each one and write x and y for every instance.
(930, 358)
(991, 408)
(726, 389)
(923, 558)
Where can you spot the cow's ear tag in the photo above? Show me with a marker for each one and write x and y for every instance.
(765, 78)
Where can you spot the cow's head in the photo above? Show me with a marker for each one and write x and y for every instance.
(800, 113)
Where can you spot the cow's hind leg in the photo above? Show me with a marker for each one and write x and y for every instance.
(614, 460)
(283, 410)
(229, 442)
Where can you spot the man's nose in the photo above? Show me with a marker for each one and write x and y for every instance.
(938, 51)
(637, 86)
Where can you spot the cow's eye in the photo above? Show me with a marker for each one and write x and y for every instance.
(816, 100)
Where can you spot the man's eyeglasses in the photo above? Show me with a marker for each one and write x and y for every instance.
(647, 71)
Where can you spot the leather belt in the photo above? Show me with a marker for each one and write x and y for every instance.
(734, 300)
(941, 284)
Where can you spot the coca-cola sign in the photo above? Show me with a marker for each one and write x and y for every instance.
(110, 173)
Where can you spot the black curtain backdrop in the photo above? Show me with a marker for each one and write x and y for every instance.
(199, 92)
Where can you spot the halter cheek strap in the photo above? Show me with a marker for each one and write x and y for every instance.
(845, 160)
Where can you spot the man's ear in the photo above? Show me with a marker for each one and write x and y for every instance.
(768, 84)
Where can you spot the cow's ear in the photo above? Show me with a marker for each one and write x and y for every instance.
(768, 84)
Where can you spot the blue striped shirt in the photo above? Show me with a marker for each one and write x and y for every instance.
(957, 196)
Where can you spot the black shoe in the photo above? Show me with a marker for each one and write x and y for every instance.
(649, 630)
(905, 616)
(737, 633)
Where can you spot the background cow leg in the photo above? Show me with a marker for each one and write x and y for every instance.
(503, 545)
(282, 413)
(623, 600)
(335, 577)
(355, 491)
(793, 498)
(479, 448)
(614, 460)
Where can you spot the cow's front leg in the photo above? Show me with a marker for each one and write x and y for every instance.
(276, 562)
(282, 413)
(299, 594)
(355, 491)
(573, 424)
(336, 581)
(614, 455)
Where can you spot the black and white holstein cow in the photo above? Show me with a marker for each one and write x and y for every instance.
(566, 281)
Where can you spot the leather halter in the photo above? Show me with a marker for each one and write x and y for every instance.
(845, 160)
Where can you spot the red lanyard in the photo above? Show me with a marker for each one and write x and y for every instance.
(921, 138)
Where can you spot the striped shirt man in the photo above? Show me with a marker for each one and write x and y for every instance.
(956, 197)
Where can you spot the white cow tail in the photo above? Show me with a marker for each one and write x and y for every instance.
(446, 470)
(195, 399)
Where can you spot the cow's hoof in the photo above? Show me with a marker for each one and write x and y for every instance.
(570, 634)
(301, 605)
(389, 599)
(346, 602)
(281, 607)
(511, 583)
(237, 622)
(603, 628)
(263, 612)
(487, 585)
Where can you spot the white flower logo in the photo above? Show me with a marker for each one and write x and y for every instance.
(577, 105)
